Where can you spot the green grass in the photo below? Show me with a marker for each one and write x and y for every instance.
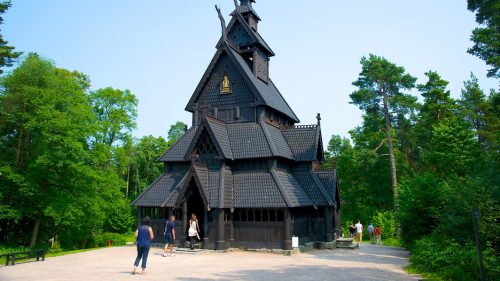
(426, 275)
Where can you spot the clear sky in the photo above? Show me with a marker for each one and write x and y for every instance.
(159, 49)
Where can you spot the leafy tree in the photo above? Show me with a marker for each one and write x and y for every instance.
(144, 165)
(486, 38)
(116, 113)
(7, 53)
(379, 90)
(46, 119)
(176, 131)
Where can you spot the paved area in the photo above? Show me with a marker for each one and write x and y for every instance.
(370, 262)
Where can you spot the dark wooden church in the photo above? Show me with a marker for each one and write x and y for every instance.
(245, 168)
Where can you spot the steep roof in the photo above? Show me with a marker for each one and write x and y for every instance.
(329, 181)
(265, 93)
(275, 188)
(250, 140)
(304, 141)
(177, 151)
(160, 190)
(256, 38)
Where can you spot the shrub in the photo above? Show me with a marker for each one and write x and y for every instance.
(452, 261)
(387, 223)
(101, 240)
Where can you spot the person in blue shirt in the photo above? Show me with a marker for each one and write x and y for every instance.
(169, 236)
(143, 236)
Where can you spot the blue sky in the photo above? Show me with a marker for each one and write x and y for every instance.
(160, 49)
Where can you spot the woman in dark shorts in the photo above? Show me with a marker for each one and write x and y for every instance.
(143, 235)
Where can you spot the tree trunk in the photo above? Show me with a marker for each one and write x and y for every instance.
(35, 232)
(128, 178)
(392, 160)
(19, 146)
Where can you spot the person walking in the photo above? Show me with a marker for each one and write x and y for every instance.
(378, 233)
(193, 231)
(371, 231)
(359, 232)
(352, 230)
(143, 236)
(169, 236)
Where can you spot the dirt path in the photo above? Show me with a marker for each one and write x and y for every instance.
(370, 262)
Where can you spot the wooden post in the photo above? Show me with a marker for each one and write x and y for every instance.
(139, 216)
(231, 230)
(205, 230)
(221, 243)
(287, 221)
(310, 226)
(328, 224)
(184, 223)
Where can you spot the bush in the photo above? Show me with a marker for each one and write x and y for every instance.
(387, 223)
(452, 261)
(101, 240)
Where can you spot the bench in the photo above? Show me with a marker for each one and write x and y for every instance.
(31, 254)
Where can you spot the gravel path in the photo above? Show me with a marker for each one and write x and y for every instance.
(370, 262)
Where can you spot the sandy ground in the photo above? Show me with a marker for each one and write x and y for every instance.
(370, 262)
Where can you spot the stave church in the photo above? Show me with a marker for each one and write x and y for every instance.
(245, 167)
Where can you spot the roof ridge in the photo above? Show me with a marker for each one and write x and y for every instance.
(312, 126)
(215, 119)
(269, 140)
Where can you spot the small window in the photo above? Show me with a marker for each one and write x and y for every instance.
(225, 87)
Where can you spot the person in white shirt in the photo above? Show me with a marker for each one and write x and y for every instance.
(359, 232)
(193, 231)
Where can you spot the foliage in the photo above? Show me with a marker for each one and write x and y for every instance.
(380, 95)
(116, 239)
(7, 54)
(176, 131)
(486, 38)
(70, 184)
(387, 223)
(453, 261)
(446, 152)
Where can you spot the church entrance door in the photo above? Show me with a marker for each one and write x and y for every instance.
(196, 206)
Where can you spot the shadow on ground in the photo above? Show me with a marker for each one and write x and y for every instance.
(308, 273)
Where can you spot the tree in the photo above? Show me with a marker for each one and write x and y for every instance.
(7, 54)
(486, 38)
(474, 108)
(116, 112)
(46, 120)
(144, 167)
(379, 90)
(176, 131)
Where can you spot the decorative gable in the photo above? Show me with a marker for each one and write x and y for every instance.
(238, 36)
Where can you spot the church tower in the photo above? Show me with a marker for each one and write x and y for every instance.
(250, 174)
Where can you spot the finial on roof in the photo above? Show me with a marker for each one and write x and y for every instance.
(236, 4)
(222, 23)
(318, 117)
(246, 2)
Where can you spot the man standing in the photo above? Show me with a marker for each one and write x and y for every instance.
(371, 231)
(359, 232)
(169, 236)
